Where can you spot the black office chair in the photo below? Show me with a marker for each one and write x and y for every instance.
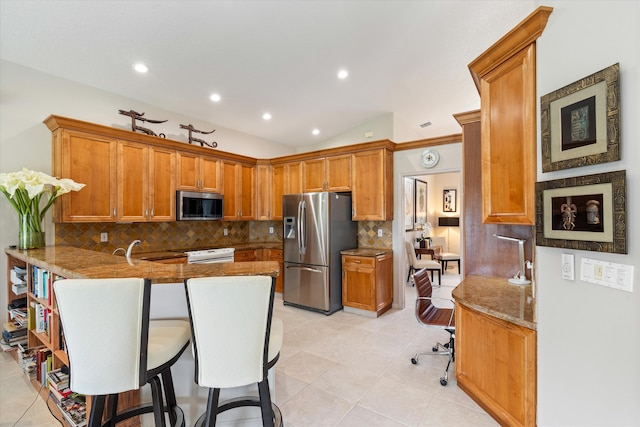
(432, 316)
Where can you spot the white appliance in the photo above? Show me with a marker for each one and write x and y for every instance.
(210, 256)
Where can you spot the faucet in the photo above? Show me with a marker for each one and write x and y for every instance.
(130, 248)
(116, 251)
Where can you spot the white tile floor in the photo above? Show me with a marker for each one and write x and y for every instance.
(338, 370)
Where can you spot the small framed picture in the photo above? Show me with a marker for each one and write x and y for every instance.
(580, 123)
(449, 200)
(421, 202)
(409, 209)
(585, 213)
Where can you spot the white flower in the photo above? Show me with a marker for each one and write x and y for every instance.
(25, 189)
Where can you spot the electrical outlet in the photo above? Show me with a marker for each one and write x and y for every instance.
(226, 232)
(270, 230)
(379, 232)
(104, 237)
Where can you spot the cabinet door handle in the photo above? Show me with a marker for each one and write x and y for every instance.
(114, 212)
(356, 261)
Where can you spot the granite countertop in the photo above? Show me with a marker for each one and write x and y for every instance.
(497, 297)
(372, 252)
(180, 252)
(74, 263)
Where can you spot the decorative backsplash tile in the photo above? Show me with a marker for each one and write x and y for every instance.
(368, 234)
(160, 236)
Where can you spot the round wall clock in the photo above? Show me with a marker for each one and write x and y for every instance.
(429, 158)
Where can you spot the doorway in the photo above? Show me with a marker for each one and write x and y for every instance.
(440, 203)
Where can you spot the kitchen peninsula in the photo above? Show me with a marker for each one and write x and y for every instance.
(167, 301)
(496, 347)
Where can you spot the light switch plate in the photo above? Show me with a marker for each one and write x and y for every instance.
(104, 237)
(610, 274)
(568, 270)
(379, 232)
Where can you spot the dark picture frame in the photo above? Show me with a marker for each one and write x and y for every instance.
(449, 200)
(584, 212)
(420, 202)
(409, 207)
(580, 123)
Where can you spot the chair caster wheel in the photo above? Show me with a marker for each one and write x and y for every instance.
(434, 348)
(443, 382)
(414, 360)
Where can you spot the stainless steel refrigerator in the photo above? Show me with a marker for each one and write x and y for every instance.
(317, 226)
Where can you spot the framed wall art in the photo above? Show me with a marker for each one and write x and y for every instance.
(409, 208)
(421, 202)
(585, 213)
(449, 200)
(580, 123)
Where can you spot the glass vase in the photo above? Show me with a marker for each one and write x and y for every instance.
(30, 234)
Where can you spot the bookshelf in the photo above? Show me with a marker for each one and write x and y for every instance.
(45, 338)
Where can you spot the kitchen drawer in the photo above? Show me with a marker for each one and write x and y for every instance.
(358, 261)
(245, 255)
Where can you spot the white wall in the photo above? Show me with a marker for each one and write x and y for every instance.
(407, 163)
(28, 97)
(588, 335)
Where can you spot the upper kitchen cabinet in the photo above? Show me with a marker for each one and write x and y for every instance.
(327, 173)
(75, 156)
(198, 173)
(505, 75)
(372, 181)
(266, 191)
(239, 191)
(145, 183)
(293, 178)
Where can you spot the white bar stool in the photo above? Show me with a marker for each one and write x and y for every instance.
(235, 340)
(113, 347)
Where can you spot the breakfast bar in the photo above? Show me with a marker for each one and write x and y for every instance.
(168, 301)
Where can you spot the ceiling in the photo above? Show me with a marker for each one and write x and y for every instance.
(408, 58)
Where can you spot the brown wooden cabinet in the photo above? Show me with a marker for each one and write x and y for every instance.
(246, 255)
(294, 178)
(331, 173)
(145, 183)
(269, 254)
(74, 157)
(372, 182)
(239, 191)
(505, 75)
(367, 282)
(265, 192)
(496, 365)
(198, 173)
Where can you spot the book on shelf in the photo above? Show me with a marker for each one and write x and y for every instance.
(74, 409)
(58, 380)
(60, 395)
(19, 288)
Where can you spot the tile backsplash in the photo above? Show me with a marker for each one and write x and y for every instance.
(368, 234)
(159, 236)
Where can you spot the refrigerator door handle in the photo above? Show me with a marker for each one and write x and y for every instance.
(303, 227)
(313, 270)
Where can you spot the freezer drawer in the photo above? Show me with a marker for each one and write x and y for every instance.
(307, 286)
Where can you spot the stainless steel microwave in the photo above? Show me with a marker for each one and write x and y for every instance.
(194, 206)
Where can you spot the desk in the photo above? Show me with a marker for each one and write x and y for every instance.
(426, 251)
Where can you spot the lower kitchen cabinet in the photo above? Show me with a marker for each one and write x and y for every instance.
(367, 283)
(265, 254)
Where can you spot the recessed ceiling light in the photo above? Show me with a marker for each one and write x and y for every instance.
(343, 74)
(266, 116)
(140, 67)
(316, 131)
(215, 97)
